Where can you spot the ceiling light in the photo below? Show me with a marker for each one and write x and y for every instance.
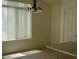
(35, 8)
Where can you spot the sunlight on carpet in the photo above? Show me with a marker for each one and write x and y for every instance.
(22, 54)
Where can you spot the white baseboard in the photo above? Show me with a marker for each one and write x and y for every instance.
(61, 51)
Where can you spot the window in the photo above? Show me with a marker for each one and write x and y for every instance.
(16, 22)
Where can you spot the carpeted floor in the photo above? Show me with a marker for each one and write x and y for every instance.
(70, 47)
(39, 54)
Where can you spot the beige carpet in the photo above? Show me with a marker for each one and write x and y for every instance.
(39, 54)
(70, 47)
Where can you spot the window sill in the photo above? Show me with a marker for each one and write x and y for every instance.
(16, 40)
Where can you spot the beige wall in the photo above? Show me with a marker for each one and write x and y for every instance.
(55, 22)
(69, 3)
(40, 33)
(57, 19)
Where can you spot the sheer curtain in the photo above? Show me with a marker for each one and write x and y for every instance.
(16, 22)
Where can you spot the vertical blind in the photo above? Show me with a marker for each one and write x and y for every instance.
(16, 21)
(69, 25)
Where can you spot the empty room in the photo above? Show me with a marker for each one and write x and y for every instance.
(39, 29)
